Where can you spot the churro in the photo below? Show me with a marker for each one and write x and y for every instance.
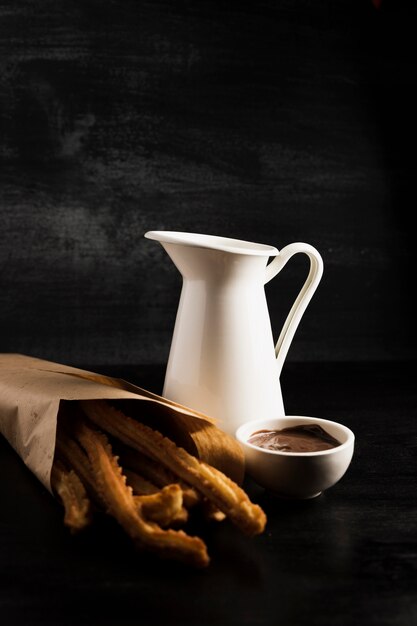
(73, 496)
(160, 505)
(129, 513)
(156, 473)
(210, 482)
(163, 507)
(148, 483)
(69, 451)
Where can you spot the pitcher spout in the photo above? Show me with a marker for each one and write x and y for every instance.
(198, 256)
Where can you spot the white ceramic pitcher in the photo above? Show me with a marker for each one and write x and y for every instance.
(222, 360)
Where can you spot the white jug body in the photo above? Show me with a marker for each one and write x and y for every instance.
(222, 360)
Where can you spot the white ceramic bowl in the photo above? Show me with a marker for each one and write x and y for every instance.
(296, 474)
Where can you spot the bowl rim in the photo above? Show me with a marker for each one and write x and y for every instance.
(349, 441)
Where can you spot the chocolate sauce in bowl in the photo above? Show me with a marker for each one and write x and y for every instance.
(301, 438)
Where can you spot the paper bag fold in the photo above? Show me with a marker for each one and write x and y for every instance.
(32, 389)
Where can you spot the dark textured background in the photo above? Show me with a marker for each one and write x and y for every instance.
(268, 121)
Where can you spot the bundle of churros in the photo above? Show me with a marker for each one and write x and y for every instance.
(108, 461)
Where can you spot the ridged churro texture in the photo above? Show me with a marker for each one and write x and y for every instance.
(120, 503)
(106, 461)
(71, 491)
(207, 480)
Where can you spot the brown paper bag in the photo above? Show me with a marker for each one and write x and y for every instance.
(32, 390)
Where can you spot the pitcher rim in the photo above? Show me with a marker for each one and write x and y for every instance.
(213, 242)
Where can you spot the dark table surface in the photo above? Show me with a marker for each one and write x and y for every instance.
(346, 557)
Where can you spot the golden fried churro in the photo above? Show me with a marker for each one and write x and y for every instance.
(164, 507)
(67, 449)
(161, 476)
(212, 483)
(73, 497)
(156, 473)
(121, 505)
(167, 502)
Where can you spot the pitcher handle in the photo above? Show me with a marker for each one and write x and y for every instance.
(303, 298)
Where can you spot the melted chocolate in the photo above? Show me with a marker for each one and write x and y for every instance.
(302, 438)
